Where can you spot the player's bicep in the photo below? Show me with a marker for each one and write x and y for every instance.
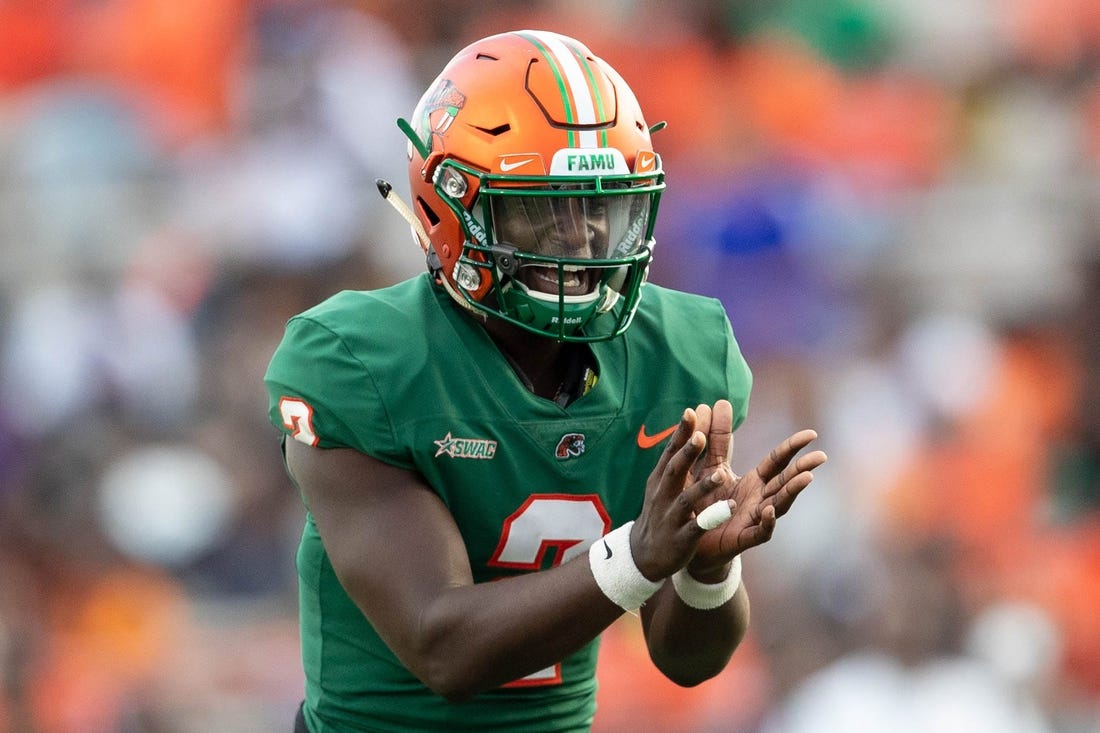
(391, 541)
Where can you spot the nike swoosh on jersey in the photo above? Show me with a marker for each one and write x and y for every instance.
(646, 442)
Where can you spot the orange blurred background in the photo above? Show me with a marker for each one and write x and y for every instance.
(893, 199)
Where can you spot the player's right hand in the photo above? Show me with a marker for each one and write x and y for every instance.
(665, 534)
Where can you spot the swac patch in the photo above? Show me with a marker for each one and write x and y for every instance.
(465, 447)
(571, 445)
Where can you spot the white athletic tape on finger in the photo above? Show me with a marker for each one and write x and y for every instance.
(714, 515)
(618, 577)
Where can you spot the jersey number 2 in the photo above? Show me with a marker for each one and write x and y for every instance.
(298, 418)
(560, 526)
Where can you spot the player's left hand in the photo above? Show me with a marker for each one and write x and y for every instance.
(760, 497)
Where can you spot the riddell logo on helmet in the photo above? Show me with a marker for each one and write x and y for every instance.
(571, 161)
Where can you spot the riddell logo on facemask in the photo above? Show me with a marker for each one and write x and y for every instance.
(476, 231)
(568, 321)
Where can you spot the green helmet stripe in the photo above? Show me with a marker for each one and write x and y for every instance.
(566, 102)
(579, 93)
(596, 96)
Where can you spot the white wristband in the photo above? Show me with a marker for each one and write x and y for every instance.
(707, 596)
(615, 572)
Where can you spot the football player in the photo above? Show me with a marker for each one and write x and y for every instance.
(502, 456)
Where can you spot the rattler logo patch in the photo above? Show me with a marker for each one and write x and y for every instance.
(571, 445)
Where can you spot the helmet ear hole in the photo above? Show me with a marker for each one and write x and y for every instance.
(429, 212)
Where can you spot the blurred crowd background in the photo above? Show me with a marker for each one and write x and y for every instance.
(894, 199)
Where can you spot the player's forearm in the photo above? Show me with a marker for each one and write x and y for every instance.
(688, 645)
(475, 638)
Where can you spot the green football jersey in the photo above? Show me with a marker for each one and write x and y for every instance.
(405, 376)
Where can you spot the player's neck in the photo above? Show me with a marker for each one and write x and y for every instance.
(542, 363)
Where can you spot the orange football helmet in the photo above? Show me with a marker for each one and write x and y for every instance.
(533, 174)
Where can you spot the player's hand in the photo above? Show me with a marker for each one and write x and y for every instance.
(665, 534)
(760, 497)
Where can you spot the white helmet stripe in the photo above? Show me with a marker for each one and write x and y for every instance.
(574, 75)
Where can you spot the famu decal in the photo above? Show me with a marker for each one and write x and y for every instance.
(588, 161)
(465, 447)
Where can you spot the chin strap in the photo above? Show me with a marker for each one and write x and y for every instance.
(457, 297)
(425, 243)
(406, 213)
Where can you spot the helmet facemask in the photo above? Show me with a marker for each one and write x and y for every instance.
(560, 251)
(535, 184)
